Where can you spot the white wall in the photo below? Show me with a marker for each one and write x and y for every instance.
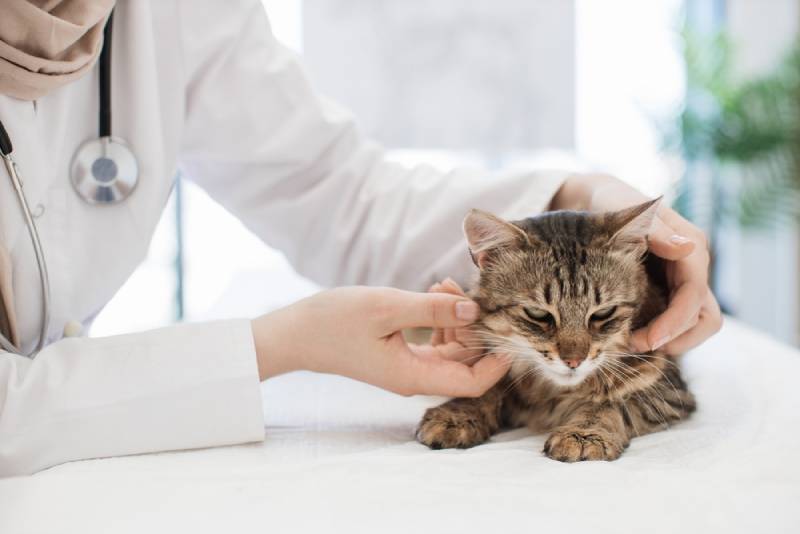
(490, 75)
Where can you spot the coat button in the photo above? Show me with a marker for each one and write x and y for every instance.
(73, 329)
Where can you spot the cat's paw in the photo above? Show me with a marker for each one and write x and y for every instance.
(444, 428)
(580, 444)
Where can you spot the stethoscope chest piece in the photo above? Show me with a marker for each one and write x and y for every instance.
(104, 171)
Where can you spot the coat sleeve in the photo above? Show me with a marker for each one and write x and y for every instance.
(293, 167)
(181, 387)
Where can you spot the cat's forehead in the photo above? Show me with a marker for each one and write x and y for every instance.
(575, 242)
(559, 229)
(568, 259)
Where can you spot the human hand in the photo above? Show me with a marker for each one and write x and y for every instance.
(356, 332)
(693, 314)
(459, 340)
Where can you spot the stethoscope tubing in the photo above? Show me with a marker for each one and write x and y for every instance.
(41, 263)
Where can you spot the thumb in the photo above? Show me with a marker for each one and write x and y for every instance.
(431, 310)
(454, 379)
(665, 243)
(639, 341)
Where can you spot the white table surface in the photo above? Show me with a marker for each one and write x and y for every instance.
(340, 457)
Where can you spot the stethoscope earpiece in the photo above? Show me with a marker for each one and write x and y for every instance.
(104, 171)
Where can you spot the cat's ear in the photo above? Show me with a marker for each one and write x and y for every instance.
(486, 233)
(628, 228)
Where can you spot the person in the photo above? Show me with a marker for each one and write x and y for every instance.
(202, 87)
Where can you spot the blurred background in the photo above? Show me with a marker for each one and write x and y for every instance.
(694, 99)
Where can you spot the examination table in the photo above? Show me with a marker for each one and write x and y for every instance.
(340, 456)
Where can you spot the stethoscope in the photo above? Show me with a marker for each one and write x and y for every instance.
(103, 171)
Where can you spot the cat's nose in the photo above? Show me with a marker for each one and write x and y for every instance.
(573, 361)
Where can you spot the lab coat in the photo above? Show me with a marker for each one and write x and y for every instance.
(202, 87)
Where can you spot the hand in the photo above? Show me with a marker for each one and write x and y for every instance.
(356, 332)
(459, 341)
(693, 314)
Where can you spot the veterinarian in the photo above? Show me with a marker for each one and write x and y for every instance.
(99, 113)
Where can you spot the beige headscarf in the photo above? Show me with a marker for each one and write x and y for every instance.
(45, 44)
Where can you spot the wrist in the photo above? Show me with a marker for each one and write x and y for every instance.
(273, 354)
(587, 192)
(576, 192)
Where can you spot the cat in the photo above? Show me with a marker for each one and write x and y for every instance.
(560, 293)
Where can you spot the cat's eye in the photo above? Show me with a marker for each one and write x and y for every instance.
(537, 314)
(604, 314)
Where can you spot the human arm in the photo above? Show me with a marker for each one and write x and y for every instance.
(197, 385)
(295, 169)
(356, 332)
(180, 387)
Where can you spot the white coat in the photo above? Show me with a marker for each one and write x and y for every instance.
(203, 88)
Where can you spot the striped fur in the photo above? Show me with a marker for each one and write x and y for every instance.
(562, 302)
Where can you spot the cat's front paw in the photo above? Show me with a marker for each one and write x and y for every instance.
(444, 428)
(580, 444)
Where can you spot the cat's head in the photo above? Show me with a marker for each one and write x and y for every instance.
(559, 292)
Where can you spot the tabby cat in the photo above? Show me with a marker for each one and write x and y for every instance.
(560, 293)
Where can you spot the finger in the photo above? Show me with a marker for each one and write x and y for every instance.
(450, 335)
(406, 309)
(690, 339)
(455, 379)
(664, 242)
(451, 286)
(684, 308)
(437, 334)
(638, 341)
(709, 324)
(457, 352)
(425, 351)
(451, 351)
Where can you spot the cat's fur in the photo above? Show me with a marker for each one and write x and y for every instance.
(575, 266)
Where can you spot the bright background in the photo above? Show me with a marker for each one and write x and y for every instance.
(493, 83)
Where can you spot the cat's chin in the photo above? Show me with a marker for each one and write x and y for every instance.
(568, 378)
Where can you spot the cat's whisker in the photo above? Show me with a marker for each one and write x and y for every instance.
(668, 361)
(653, 387)
(663, 375)
(621, 377)
(619, 373)
(643, 359)
(607, 382)
(532, 371)
(628, 370)
(642, 392)
(623, 405)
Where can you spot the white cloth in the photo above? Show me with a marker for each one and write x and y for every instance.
(201, 86)
(339, 457)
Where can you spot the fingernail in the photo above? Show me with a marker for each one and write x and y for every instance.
(679, 239)
(466, 310)
(661, 342)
